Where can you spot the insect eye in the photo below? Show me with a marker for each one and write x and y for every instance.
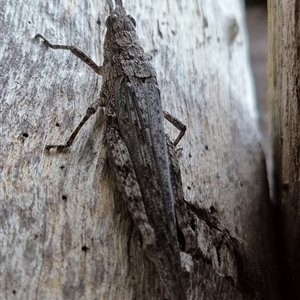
(110, 20)
(132, 19)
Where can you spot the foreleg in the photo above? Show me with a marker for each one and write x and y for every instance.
(76, 51)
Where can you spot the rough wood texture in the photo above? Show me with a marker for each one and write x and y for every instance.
(66, 233)
(284, 106)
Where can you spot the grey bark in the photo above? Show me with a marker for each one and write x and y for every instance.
(65, 232)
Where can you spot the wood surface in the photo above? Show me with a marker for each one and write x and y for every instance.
(66, 233)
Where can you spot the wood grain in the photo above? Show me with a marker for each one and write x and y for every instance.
(284, 108)
(65, 233)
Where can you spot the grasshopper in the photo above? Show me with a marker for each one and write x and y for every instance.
(138, 151)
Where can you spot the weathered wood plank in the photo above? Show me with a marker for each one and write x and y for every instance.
(66, 234)
(284, 87)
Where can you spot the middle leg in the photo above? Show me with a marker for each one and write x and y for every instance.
(178, 124)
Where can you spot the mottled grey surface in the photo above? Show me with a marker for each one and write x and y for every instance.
(66, 234)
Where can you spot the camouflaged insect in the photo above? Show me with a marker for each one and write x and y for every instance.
(140, 154)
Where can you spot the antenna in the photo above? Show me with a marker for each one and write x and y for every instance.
(111, 6)
(119, 2)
